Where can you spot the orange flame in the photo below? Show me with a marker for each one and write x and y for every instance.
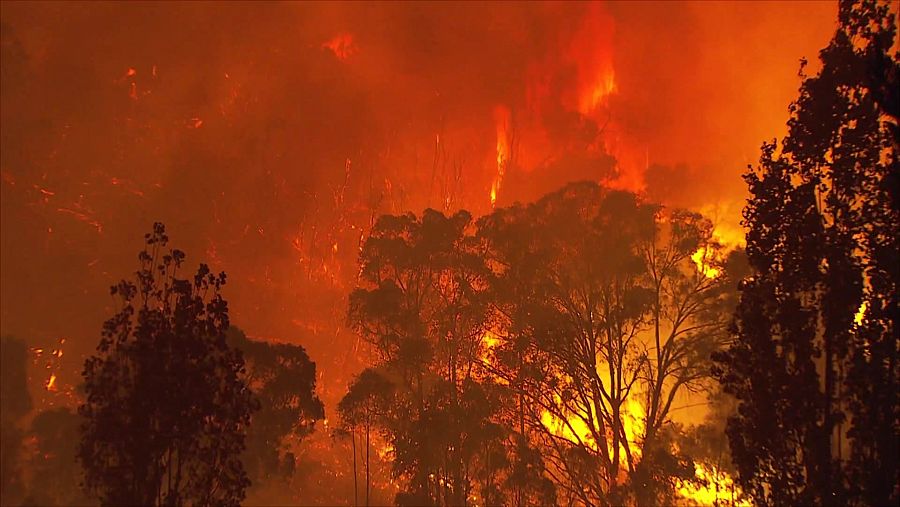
(712, 487)
(501, 119)
(576, 430)
(342, 45)
(706, 258)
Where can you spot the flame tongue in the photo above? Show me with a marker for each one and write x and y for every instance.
(501, 119)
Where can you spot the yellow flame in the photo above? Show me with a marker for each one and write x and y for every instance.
(575, 430)
(861, 313)
(702, 258)
(728, 238)
(489, 340)
(51, 383)
(711, 487)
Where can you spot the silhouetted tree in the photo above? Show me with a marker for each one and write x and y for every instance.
(166, 410)
(364, 408)
(15, 403)
(283, 379)
(604, 318)
(420, 306)
(814, 364)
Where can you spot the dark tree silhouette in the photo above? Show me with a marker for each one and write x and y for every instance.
(283, 379)
(603, 319)
(420, 306)
(166, 410)
(814, 364)
(363, 409)
(15, 403)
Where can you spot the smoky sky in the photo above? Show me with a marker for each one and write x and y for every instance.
(268, 136)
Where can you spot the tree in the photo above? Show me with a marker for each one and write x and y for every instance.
(15, 403)
(420, 306)
(167, 409)
(814, 359)
(363, 407)
(283, 379)
(604, 318)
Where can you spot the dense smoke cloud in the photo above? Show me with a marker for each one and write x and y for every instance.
(268, 136)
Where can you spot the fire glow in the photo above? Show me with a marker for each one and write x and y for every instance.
(246, 142)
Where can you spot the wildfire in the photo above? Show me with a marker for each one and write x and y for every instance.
(599, 93)
(501, 119)
(861, 313)
(51, 383)
(707, 258)
(575, 430)
(490, 339)
(711, 487)
(704, 258)
(49, 360)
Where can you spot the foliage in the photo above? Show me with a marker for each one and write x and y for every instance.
(283, 379)
(604, 318)
(421, 306)
(166, 410)
(814, 364)
(513, 352)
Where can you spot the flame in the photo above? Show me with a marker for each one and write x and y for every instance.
(703, 258)
(575, 430)
(342, 45)
(590, 52)
(385, 450)
(728, 239)
(51, 383)
(598, 94)
(861, 313)
(489, 340)
(711, 487)
(501, 120)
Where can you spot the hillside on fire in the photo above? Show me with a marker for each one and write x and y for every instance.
(446, 254)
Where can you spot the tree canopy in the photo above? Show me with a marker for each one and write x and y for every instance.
(539, 350)
(814, 363)
(166, 410)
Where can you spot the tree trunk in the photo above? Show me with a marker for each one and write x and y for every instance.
(355, 488)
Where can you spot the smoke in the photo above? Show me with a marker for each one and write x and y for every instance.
(268, 136)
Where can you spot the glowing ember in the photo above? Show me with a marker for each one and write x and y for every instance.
(861, 313)
(341, 45)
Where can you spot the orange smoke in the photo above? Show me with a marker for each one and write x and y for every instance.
(591, 51)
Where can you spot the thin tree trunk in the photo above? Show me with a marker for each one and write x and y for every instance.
(355, 487)
(367, 460)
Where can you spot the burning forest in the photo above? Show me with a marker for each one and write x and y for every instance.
(450, 254)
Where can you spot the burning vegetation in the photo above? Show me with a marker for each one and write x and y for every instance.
(479, 254)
